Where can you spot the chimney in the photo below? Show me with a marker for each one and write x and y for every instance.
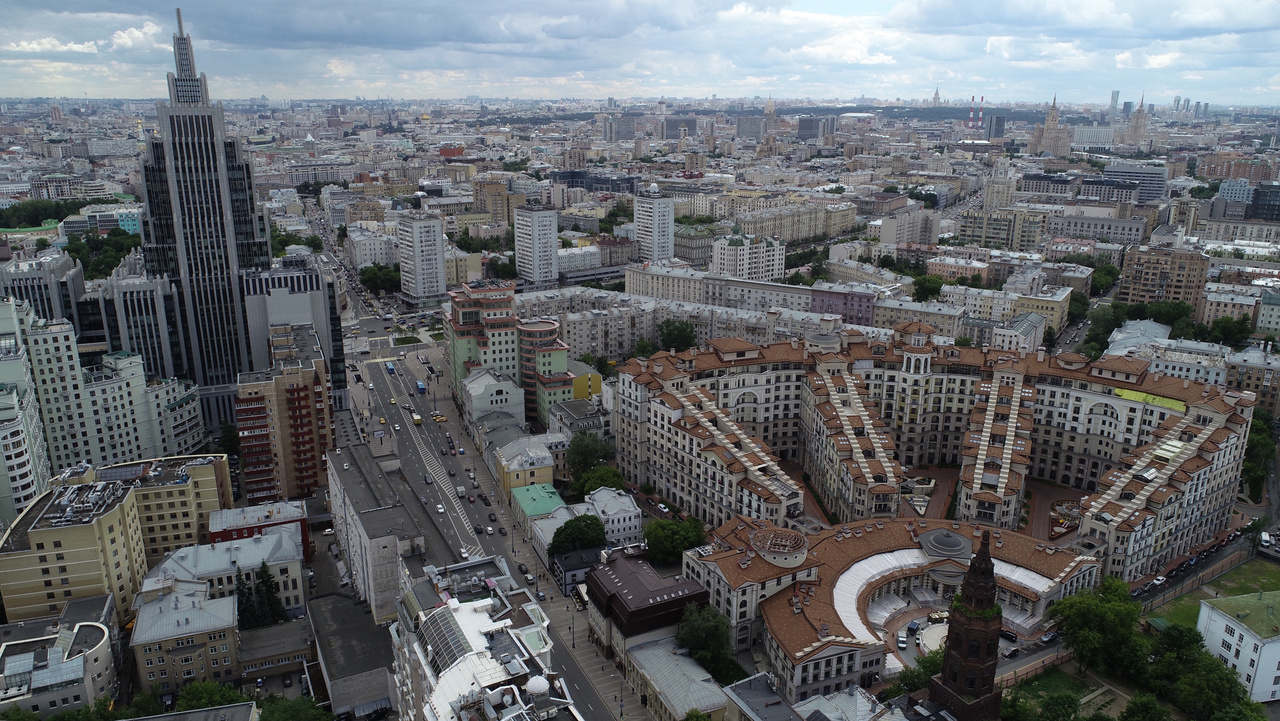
(1186, 382)
(1040, 354)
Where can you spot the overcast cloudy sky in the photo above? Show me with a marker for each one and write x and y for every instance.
(1219, 51)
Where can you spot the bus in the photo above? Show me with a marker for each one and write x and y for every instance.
(422, 388)
(391, 368)
(417, 419)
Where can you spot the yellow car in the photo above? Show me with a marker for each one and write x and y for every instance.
(383, 421)
(393, 401)
(441, 419)
(355, 332)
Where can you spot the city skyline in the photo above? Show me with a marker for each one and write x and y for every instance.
(818, 49)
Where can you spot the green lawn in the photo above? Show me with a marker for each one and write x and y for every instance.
(1184, 610)
(1252, 576)
(407, 340)
(438, 336)
(1053, 681)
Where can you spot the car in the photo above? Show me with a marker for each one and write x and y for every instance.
(453, 451)
(370, 386)
(452, 472)
(489, 530)
(493, 517)
(439, 508)
(522, 568)
(471, 499)
(382, 420)
(444, 451)
(663, 507)
(441, 419)
(1049, 637)
(1159, 580)
(651, 502)
(396, 428)
(471, 475)
(462, 451)
(902, 639)
(328, 531)
(502, 530)
(1008, 635)
(261, 682)
(479, 529)
(542, 595)
(463, 552)
(486, 501)
(529, 579)
(364, 352)
(1011, 653)
(393, 401)
(288, 680)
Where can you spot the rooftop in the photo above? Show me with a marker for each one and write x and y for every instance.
(679, 680)
(246, 711)
(257, 515)
(1255, 610)
(348, 641)
(186, 612)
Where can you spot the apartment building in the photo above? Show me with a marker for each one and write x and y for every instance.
(217, 565)
(914, 226)
(284, 418)
(1173, 493)
(421, 243)
(655, 218)
(537, 247)
(749, 257)
(996, 452)
(945, 318)
(1240, 631)
(949, 268)
(1126, 231)
(788, 224)
(481, 331)
(364, 248)
(24, 475)
(1255, 371)
(1216, 304)
(996, 305)
(673, 434)
(1052, 302)
(1012, 229)
(183, 636)
(1153, 274)
(64, 663)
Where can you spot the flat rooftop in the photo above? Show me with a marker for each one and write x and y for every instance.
(348, 640)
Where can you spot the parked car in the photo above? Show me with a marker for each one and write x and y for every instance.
(502, 530)
(663, 507)
(902, 639)
(1008, 635)
(542, 595)
(1049, 637)
(522, 568)
(1011, 653)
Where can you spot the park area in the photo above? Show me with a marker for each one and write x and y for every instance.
(1251, 577)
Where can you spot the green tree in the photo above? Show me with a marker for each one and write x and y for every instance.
(342, 235)
(964, 342)
(668, 540)
(914, 678)
(229, 439)
(706, 634)
(644, 349)
(1014, 706)
(586, 451)
(315, 243)
(692, 714)
(270, 608)
(1050, 337)
(101, 254)
(505, 270)
(588, 482)
(303, 708)
(1059, 706)
(246, 608)
(1078, 309)
(927, 288)
(578, 534)
(34, 213)
(17, 713)
(1099, 624)
(1144, 707)
(42, 243)
(677, 335)
(1104, 279)
(207, 694)
(379, 278)
(1207, 685)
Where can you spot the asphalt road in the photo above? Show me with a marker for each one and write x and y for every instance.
(418, 450)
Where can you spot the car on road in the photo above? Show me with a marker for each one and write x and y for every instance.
(502, 530)
(439, 508)
(396, 428)
(370, 386)
(902, 639)
(328, 531)
(522, 568)
(463, 552)
(452, 472)
(493, 517)
(1159, 581)
(1008, 635)
(479, 529)
(663, 507)
(453, 451)
(471, 499)
(489, 530)
(651, 502)
(393, 401)
(462, 451)
(382, 420)
(1049, 637)
(542, 595)
(529, 579)
(1010, 653)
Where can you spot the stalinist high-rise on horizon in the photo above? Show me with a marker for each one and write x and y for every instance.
(202, 229)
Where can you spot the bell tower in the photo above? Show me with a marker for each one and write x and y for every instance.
(966, 687)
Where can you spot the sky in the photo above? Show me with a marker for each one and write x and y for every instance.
(1225, 52)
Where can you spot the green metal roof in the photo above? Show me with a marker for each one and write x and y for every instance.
(537, 500)
(1258, 611)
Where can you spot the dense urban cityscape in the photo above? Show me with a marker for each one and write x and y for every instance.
(653, 407)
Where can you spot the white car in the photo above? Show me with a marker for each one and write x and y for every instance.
(663, 507)
(370, 386)
(902, 639)
(396, 427)
(463, 552)
(439, 508)
(489, 530)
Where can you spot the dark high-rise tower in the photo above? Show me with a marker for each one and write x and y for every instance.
(202, 229)
(966, 687)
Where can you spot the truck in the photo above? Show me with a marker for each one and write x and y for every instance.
(462, 492)
(417, 419)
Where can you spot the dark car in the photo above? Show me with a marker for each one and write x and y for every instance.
(651, 502)
(493, 517)
(502, 530)
(1008, 635)
(471, 499)
(479, 529)
(486, 501)
(1011, 653)
(452, 472)
(288, 680)
(444, 451)
(522, 568)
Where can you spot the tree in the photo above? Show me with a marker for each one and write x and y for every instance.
(17, 713)
(1099, 625)
(692, 714)
(578, 534)
(101, 254)
(1104, 279)
(927, 288)
(42, 243)
(504, 270)
(379, 278)
(1078, 309)
(1207, 685)
(667, 540)
(644, 349)
(1059, 706)
(677, 335)
(245, 606)
(706, 634)
(314, 242)
(229, 439)
(270, 609)
(1050, 337)
(1014, 706)
(964, 342)
(914, 678)
(586, 451)
(587, 482)
(303, 708)
(207, 694)
(1144, 707)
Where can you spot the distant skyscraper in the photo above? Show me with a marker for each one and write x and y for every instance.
(1127, 108)
(537, 241)
(201, 229)
(655, 225)
(936, 99)
(995, 126)
(1115, 99)
(1177, 103)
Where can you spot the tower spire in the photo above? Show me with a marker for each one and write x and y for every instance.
(186, 87)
